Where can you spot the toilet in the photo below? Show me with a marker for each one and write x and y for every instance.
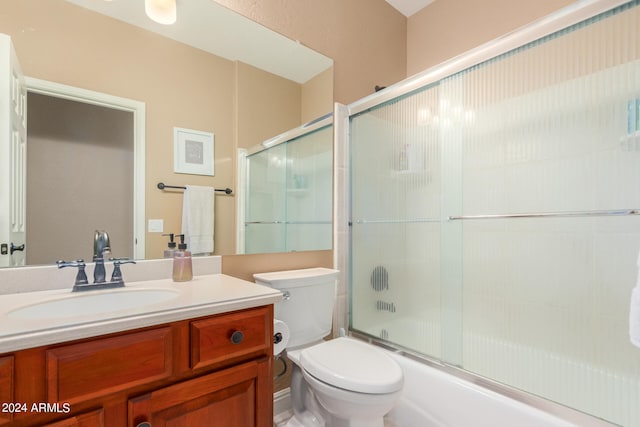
(342, 382)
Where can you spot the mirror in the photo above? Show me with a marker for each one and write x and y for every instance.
(213, 71)
(289, 192)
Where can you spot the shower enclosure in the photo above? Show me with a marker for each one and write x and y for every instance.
(495, 211)
(288, 203)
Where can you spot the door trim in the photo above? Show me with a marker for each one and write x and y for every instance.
(58, 90)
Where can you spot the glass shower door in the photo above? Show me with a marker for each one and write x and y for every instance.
(309, 191)
(396, 192)
(265, 228)
(289, 204)
(495, 217)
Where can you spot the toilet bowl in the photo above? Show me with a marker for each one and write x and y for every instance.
(342, 382)
(354, 382)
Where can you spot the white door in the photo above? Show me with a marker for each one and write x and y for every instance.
(13, 152)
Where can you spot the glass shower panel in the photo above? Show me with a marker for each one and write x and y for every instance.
(395, 187)
(552, 150)
(309, 191)
(265, 229)
(546, 309)
(289, 204)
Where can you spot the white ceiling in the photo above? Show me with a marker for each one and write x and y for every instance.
(409, 7)
(207, 25)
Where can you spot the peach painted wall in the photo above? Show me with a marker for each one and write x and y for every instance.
(365, 38)
(317, 96)
(373, 44)
(447, 28)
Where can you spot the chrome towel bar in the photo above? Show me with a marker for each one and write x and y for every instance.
(162, 186)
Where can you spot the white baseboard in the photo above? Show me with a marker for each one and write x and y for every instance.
(281, 405)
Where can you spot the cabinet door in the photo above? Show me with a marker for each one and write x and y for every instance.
(234, 397)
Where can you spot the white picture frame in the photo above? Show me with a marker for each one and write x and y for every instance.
(193, 152)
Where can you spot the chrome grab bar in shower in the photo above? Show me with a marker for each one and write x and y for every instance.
(614, 212)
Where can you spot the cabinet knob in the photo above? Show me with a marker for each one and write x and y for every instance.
(144, 424)
(237, 337)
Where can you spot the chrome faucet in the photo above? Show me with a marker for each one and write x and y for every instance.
(101, 243)
(101, 251)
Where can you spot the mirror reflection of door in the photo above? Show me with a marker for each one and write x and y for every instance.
(96, 143)
(12, 156)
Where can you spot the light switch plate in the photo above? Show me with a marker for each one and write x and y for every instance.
(156, 226)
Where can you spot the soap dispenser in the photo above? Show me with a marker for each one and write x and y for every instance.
(182, 266)
(171, 249)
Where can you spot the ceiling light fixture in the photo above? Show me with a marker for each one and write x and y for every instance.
(161, 11)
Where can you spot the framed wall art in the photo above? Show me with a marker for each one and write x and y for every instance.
(193, 152)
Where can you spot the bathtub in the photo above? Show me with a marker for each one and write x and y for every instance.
(434, 398)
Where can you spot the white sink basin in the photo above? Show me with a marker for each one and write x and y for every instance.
(90, 303)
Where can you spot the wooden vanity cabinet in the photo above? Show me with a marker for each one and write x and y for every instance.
(6, 388)
(209, 371)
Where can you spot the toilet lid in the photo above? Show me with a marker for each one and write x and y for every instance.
(352, 365)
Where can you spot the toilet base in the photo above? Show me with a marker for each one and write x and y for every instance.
(308, 412)
(317, 404)
(305, 419)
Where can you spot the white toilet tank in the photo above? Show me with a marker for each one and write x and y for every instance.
(307, 307)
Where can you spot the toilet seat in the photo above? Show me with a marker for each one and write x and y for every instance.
(352, 365)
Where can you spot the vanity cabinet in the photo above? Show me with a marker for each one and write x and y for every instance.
(214, 370)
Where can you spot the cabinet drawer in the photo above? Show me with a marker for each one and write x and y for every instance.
(103, 366)
(6, 387)
(212, 339)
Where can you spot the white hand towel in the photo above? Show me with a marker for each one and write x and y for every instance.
(634, 312)
(198, 219)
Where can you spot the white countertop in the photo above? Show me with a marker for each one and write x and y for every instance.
(204, 295)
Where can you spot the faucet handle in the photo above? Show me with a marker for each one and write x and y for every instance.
(117, 273)
(123, 260)
(81, 277)
(77, 263)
